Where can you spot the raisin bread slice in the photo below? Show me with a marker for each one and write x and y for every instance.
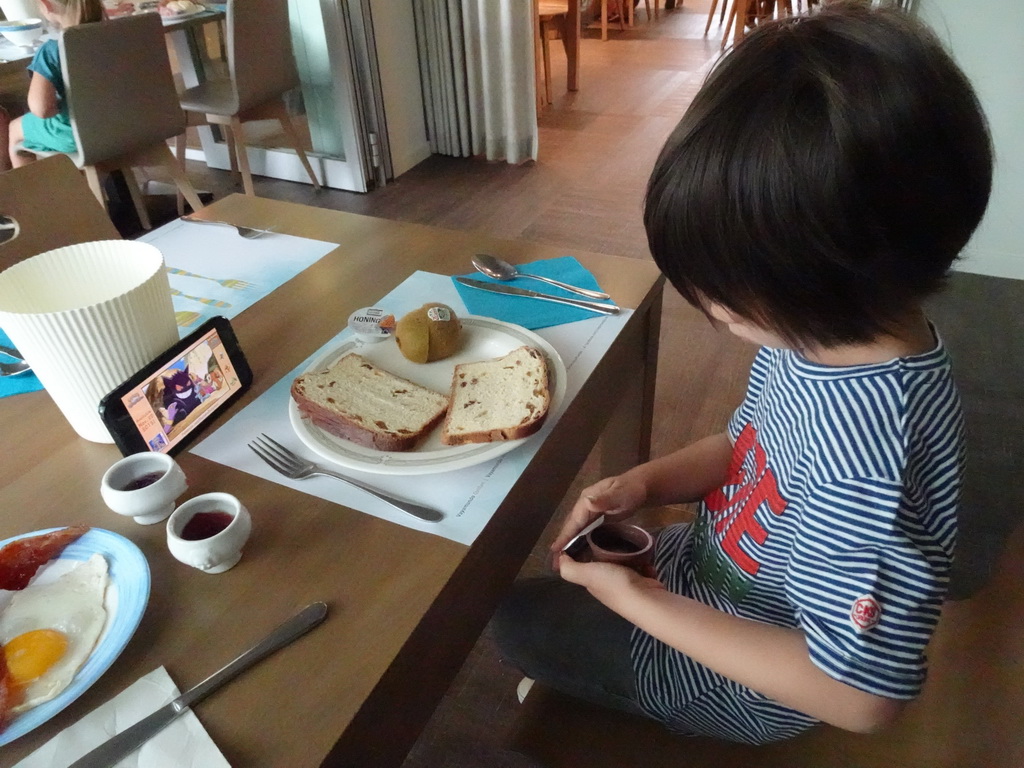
(502, 399)
(357, 401)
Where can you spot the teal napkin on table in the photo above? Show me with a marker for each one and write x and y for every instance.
(532, 313)
(15, 385)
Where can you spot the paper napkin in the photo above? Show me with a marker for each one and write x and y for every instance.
(15, 385)
(182, 744)
(532, 313)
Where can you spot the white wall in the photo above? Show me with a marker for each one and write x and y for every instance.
(987, 40)
(400, 81)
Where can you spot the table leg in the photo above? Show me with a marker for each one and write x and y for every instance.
(571, 38)
(626, 440)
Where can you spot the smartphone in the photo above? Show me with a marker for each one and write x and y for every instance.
(163, 406)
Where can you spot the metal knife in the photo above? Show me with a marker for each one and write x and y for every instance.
(111, 751)
(593, 306)
(11, 352)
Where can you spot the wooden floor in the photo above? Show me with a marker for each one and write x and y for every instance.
(585, 192)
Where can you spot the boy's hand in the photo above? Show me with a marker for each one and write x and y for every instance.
(611, 584)
(614, 497)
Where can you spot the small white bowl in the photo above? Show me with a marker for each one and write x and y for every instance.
(23, 32)
(214, 546)
(125, 489)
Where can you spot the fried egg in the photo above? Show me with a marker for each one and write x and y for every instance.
(49, 630)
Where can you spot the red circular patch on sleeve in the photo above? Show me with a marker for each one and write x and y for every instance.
(865, 613)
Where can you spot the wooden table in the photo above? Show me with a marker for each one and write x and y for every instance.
(405, 607)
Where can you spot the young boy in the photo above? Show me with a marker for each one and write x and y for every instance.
(817, 190)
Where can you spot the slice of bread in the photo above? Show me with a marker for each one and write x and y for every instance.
(357, 401)
(502, 399)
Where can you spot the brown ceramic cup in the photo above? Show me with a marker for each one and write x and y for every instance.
(623, 544)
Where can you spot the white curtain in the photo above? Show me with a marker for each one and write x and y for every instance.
(477, 67)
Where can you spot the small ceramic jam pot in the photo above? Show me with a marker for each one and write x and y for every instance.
(143, 486)
(208, 532)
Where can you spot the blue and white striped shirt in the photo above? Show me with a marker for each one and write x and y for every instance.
(838, 517)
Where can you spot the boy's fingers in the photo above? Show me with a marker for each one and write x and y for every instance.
(578, 519)
(569, 569)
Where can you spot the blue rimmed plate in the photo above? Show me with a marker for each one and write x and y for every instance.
(125, 600)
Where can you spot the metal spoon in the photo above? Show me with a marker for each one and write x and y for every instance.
(13, 369)
(500, 269)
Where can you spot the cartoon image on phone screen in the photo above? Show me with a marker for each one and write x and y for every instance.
(189, 386)
(171, 402)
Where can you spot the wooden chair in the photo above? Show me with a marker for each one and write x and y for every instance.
(261, 69)
(711, 14)
(760, 10)
(122, 103)
(622, 17)
(647, 7)
(48, 199)
(626, 14)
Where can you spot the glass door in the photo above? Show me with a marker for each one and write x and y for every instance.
(332, 109)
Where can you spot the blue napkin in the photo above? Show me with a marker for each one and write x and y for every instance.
(15, 385)
(532, 313)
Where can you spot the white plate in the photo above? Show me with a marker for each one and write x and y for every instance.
(180, 16)
(125, 601)
(483, 338)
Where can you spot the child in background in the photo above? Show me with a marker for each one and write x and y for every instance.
(819, 187)
(47, 126)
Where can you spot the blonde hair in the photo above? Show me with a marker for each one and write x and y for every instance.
(74, 12)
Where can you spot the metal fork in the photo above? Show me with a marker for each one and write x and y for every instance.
(249, 233)
(293, 466)
(211, 302)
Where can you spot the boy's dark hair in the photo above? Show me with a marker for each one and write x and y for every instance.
(825, 177)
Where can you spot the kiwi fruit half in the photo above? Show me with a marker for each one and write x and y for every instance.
(432, 332)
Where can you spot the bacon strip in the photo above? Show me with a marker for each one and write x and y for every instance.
(20, 559)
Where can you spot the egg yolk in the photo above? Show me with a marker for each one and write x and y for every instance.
(29, 655)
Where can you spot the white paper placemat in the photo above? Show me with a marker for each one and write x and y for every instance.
(182, 744)
(467, 497)
(217, 255)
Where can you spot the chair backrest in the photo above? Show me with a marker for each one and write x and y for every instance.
(53, 207)
(120, 89)
(259, 47)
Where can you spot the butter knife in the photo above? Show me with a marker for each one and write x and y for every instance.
(593, 306)
(114, 749)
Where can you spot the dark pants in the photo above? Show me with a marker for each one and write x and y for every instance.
(555, 632)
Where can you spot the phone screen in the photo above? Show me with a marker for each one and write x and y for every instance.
(173, 402)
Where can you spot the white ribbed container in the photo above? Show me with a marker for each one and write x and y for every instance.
(87, 317)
